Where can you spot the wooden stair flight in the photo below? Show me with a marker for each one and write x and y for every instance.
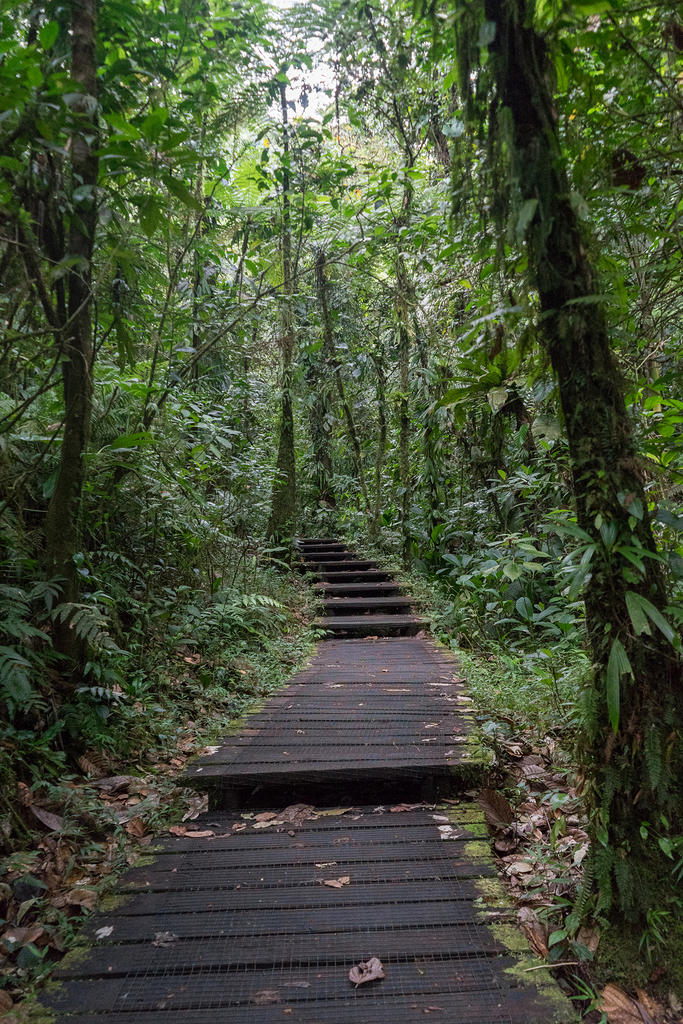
(257, 918)
(373, 614)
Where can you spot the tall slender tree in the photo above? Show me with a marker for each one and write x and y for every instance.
(633, 727)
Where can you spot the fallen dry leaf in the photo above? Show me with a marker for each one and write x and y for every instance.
(51, 821)
(448, 832)
(590, 938)
(116, 783)
(520, 867)
(178, 830)
(337, 883)
(536, 933)
(650, 1005)
(398, 808)
(497, 810)
(16, 938)
(6, 1001)
(86, 898)
(164, 939)
(506, 843)
(367, 970)
(24, 795)
(135, 827)
(619, 1007)
(266, 996)
(199, 835)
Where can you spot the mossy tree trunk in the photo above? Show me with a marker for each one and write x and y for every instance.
(282, 519)
(62, 520)
(634, 720)
(382, 433)
(329, 352)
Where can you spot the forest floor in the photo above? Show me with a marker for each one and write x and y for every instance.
(82, 831)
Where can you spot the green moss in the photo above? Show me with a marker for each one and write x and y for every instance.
(492, 891)
(75, 957)
(477, 850)
(110, 903)
(536, 977)
(145, 862)
(235, 727)
(462, 814)
(509, 936)
(620, 959)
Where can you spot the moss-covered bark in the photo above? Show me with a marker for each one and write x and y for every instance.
(61, 526)
(282, 519)
(634, 718)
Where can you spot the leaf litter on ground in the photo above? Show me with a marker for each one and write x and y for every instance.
(542, 842)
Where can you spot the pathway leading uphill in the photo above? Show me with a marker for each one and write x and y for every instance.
(259, 919)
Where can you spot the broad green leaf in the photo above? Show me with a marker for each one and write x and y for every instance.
(525, 216)
(48, 34)
(132, 440)
(640, 610)
(617, 666)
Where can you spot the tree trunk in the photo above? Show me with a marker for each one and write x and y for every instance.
(281, 522)
(403, 295)
(61, 526)
(318, 418)
(378, 360)
(331, 359)
(634, 720)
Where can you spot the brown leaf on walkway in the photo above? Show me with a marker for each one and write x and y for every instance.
(337, 883)
(398, 808)
(164, 939)
(199, 835)
(620, 1008)
(51, 821)
(178, 830)
(497, 810)
(367, 970)
(266, 996)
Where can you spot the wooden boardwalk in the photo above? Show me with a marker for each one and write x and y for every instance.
(258, 916)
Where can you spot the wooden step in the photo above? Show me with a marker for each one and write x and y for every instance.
(325, 548)
(348, 589)
(354, 576)
(324, 542)
(371, 625)
(346, 564)
(328, 556)
(337, 605)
